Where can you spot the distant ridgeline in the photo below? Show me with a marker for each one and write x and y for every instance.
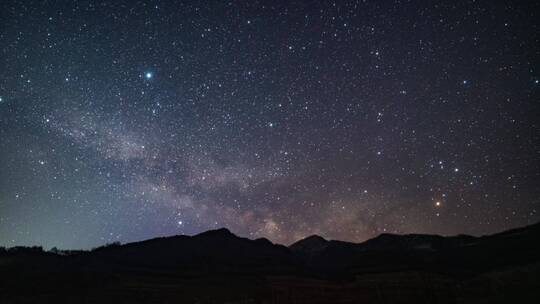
(218, 267)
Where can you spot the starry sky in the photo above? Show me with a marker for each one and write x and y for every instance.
(127, 120)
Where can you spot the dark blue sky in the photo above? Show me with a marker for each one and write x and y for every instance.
(126, 120)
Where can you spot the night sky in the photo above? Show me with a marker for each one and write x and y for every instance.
(128, 120)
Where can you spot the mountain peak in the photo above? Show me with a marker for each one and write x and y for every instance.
(223, 232)
(310, 244)
(314, 238)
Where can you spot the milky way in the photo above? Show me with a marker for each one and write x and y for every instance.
(127, 120)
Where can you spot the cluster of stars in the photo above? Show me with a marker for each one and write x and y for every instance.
(276, 120)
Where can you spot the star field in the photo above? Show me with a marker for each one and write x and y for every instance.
(127, 120)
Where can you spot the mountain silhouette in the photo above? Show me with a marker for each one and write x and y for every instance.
(217, 266)
(456, 255)
(214, 251)
(310, 245)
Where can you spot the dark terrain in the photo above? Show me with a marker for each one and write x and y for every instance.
(219, 267)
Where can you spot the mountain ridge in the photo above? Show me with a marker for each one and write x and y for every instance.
(197, 265)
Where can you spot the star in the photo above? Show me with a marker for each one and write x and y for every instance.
(257, 120)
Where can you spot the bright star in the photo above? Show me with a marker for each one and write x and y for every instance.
(148, 75)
